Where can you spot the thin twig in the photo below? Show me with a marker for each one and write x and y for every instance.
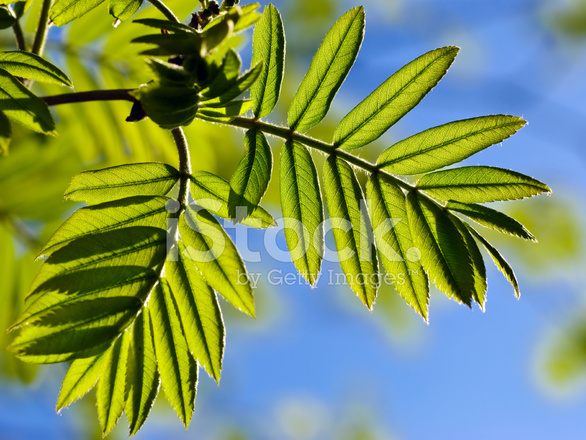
(19, 35)
(164, 9)
(42, 28)
(94, 95)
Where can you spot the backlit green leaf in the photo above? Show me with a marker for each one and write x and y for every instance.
(29, 65)
(20, 105)
(224, 114)
(491, 218)
(80, 379)
(398, 254)
(480, 184)
(142, 379)
(5, 134)
(268, 46)
(110, 390)
(199, 312)
(64, 11)
(447, 144)
(393, 99)
(211, 250)
(114, 183)
(444, 254)
(123, 9)
(212, 193)
(329, 67)
(225, 77)
(352, 229)
(302, 208)
(168, 105)
(252, 176)
(480, 284)
(499, 260)
(177, 367)
(238, 88)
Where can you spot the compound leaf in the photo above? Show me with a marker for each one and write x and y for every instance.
(447, 144)
(397, 251)
(302, 208)
(328, 70)
(444, 254)
(251, 178)
(393, 99)
(478, 184)
(352, 229)
(268, 46)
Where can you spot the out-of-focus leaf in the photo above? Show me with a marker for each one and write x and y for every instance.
(329, 68)
(123, 9)
(7, 17)
(5, 134)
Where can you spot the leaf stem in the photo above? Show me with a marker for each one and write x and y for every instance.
(184, 163)
(19, 36)
(41, 35)
(164, 9)
(289, 134)
(94, 95)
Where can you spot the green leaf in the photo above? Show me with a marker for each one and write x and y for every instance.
(123, 9)
(166, 25)
(110, 390)
(142, 379)
(329, 68)
(211, 250)
(241, 85)
(19, 104)
(225, 77)
(444, 254)
(447, 144)
(303, 211)
(224, 114)
(177, 367)
(499, 260)
(480, 284)
(132, 211)
(393, 99)
(252, 176)
(29, 65)
(268, 46)
(168, 44)
(168, 105)
(64, 11)
(199, 312)
(352, 229)
(80, 379)
(397, 251)
(115, 183)
(212, 193)
(478, 184)
(5, 134)
(7, 17)
(492, 219)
